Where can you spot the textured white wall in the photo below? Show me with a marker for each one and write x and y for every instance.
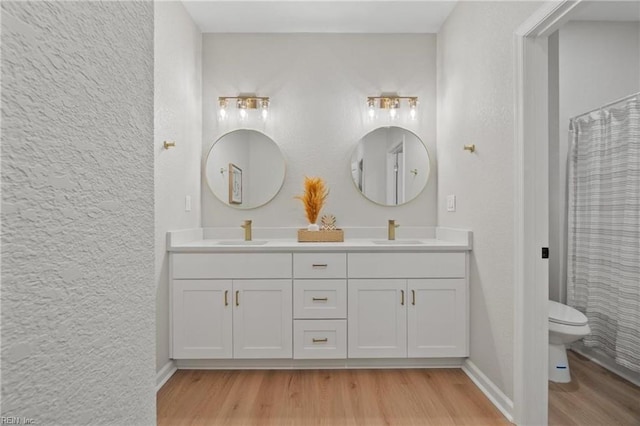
(475, 105)
(599, 62)
(77, 212)
(178, 117)
(318, 84)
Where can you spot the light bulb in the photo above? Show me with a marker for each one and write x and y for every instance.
(265, 113)
(371, 103)
(413, 103)
(223, 109)
(394, 104)
(264, 104)
(243, 113)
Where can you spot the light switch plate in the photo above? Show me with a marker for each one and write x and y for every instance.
(451, 203)
(187, 203)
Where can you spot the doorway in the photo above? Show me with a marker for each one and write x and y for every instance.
(534, 131)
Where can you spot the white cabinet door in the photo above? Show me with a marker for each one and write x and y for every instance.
(437, 318)
(262, 319)
(377, 318)
(202, 314)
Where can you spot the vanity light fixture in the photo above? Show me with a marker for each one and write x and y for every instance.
(391, 103)
(244, 103)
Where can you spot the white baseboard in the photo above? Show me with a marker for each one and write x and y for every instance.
(165, 374)
(491, 391)
(303, 364)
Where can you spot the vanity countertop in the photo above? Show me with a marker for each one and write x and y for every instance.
(199, 241)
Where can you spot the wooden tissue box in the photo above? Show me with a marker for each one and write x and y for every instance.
(321, 236)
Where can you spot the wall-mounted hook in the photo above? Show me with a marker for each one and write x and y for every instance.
(471, 148)
(168, 144)
(414, 172)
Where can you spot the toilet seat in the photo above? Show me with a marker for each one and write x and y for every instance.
(566, 315)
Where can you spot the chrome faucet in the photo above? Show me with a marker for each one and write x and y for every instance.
(392, 229)
(247, 230)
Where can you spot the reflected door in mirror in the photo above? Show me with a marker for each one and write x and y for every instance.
(390, 166)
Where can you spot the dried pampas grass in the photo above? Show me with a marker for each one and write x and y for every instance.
(314, 197)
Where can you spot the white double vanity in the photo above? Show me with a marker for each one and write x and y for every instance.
(277, 303)
(274, 302)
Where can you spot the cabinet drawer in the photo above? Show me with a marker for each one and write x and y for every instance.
(320, 265)
(313, 339)
(320, 299)
(227, 265)
(407, 265)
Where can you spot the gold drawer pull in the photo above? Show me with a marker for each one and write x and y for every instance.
(324, 340)
(237, 298)
(226, 298)
(319, 299)
(319, 265)
(413, 297)
(402, 297)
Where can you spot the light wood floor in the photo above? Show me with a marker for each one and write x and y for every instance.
(594, 397)
(324, 397)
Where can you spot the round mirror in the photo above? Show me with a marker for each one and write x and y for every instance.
(390, 166)
(245, 169)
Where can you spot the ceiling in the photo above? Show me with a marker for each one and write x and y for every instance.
(320, 16)
(358, 16)
(619, 11)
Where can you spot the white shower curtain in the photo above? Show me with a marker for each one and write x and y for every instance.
(603, 270)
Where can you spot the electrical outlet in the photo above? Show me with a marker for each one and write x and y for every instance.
(187, 203)
(451, 203)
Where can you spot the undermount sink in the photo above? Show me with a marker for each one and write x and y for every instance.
(397, 242)
(242, 243)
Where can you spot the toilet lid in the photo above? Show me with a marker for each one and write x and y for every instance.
(563, 314)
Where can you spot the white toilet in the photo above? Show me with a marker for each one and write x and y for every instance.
(566, 325)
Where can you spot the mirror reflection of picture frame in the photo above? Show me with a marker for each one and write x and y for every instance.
(235, 184)
(262, 163)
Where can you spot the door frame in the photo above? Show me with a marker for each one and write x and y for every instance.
(531, 272)
(395, 173)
